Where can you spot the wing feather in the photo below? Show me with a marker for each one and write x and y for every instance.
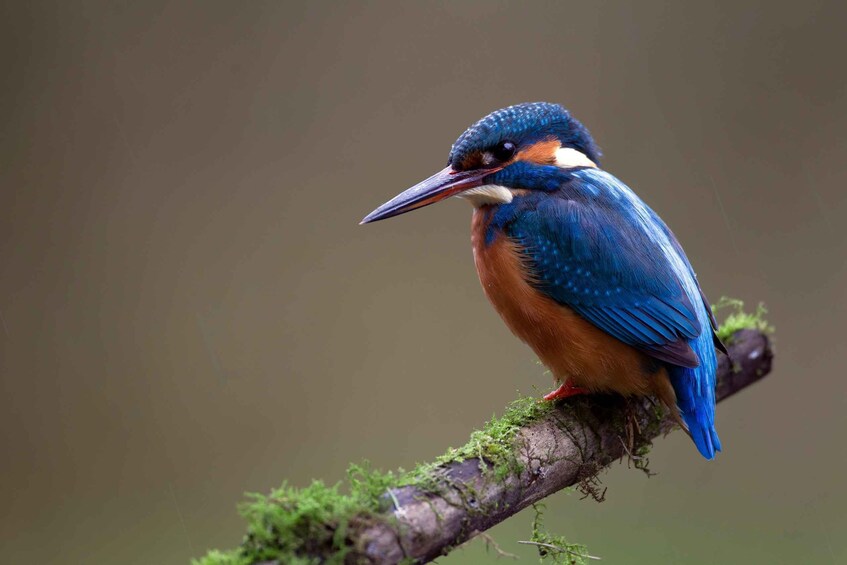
(601, 259)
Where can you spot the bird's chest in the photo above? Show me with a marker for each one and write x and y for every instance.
(567, 343)
(503, 274)
(506, 280)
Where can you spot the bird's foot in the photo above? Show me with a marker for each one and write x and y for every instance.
(565, 391)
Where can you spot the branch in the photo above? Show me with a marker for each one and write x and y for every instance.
(518, 460)
(567, 447)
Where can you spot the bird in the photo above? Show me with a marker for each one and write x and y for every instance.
(578, 266)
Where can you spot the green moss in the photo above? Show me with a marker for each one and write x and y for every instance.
(290, 524)
(494, 443)
(555, 549)
(738, 319)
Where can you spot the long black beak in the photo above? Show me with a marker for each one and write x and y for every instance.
(445, 183)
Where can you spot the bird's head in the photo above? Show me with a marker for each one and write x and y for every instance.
(503, 152)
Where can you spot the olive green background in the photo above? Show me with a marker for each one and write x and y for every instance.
(190, 310)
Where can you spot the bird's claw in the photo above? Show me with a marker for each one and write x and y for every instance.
(565, 391)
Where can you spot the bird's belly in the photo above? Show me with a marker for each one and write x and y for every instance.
(570, 346)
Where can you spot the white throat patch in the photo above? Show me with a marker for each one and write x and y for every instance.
(487, 194)
(568, 157)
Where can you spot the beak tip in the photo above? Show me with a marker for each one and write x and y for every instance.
(380, 213)
(439, 186)
(368, 219)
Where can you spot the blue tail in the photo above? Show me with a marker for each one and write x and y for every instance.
(695, 397)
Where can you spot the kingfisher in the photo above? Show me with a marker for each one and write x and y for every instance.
(578, 266)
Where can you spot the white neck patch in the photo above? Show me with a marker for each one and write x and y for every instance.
(487, 194)
(568, 157)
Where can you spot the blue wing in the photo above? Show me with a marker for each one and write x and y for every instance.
(597, 249)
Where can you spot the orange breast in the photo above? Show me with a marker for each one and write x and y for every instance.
(570, 346)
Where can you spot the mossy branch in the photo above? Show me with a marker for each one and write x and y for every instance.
(532, 451)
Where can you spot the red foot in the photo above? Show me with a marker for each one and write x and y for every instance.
(565, 391)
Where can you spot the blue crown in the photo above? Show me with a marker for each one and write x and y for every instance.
(524, 124)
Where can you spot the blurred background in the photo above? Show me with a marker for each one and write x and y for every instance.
(190, 310)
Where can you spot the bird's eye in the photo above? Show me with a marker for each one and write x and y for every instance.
(504, 151)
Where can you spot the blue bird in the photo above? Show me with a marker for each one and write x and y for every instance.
(578, 266)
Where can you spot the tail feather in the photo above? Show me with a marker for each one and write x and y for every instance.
(697, 408)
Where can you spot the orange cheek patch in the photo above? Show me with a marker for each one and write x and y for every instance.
(543, 152)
